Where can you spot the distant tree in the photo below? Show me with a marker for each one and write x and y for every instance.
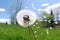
(52, 20)
(48, 18)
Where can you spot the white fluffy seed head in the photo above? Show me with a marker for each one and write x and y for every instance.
(20, 15)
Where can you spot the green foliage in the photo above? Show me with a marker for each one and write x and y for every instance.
(48, 18)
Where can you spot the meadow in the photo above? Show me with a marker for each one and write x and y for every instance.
(16, 32)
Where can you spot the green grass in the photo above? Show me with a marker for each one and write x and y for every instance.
(16, 32)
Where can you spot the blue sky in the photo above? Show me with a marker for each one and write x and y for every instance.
(33, 5)
(4, 4)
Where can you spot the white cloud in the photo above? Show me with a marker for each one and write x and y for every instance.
(46, 4)
(33, 6)
(2, 9)
(54, 7)
(39, 9)
(2, 20)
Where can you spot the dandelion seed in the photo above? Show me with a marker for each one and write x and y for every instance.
(35, 36)
(36, 23)
(47, 33)
(50, 27)
(35, 32)
(44, 16)
(39, 10)
(45, 20)
(41, 33)
(32, 4)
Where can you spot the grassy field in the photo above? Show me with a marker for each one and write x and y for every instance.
(16, 32)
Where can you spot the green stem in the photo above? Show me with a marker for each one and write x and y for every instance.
(29, 29)
(33, 33)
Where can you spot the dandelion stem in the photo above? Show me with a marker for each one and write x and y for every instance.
(29, 29)
(33, 33)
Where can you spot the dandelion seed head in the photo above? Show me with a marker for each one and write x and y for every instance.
(22, 13)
